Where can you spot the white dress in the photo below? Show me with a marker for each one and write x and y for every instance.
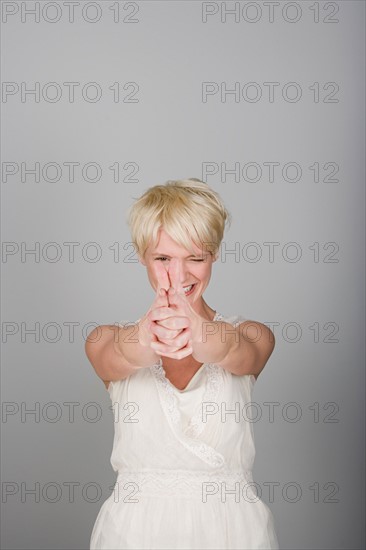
(184, 465)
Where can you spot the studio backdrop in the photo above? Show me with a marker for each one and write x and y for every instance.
(264, 101)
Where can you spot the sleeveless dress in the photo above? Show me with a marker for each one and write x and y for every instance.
(184, 462)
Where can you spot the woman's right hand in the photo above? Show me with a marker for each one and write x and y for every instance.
(146, 336)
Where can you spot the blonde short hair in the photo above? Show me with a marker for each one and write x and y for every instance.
(188, 210)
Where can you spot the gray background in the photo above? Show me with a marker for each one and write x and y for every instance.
(169, 133)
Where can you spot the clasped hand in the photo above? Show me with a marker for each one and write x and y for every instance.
(172, 323)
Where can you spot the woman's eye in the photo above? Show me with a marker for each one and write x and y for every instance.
(163, 258)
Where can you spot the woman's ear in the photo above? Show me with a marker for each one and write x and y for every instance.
(141, 260)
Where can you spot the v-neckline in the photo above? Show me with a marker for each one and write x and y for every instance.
(190, 381)
(217, 316)
(189, 434)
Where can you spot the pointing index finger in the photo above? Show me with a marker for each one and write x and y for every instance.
(175, 276)
(161, 275)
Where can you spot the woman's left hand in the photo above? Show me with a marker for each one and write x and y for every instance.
(179, 315)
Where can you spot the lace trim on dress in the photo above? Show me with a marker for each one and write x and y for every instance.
(169, 403)
(214, 383)
(186, 483)
(195, 427)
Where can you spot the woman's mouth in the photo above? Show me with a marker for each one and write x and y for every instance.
(188, 290)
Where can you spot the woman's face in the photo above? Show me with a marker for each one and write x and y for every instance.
(195, 270)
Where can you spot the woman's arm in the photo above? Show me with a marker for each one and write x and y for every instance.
(116, 352)
(244, 349)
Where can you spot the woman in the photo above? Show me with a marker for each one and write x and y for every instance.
(180, 378)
